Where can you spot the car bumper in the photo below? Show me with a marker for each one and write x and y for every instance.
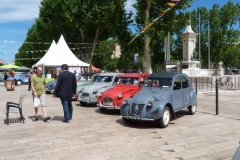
(49, 90)
(100, 105)
(87, 99)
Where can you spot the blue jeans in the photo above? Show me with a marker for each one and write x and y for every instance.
(67, 107)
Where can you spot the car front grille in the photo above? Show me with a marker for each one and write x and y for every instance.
(136, 109)
(107, 99)
(85, 94)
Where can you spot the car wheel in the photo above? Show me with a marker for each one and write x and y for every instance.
(48, 92)
(165, 119)
(192, 109)
(83, 103)
(126, 120)
(19, 82)
(103, 109)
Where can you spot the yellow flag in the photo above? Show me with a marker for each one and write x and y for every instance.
(171, 4)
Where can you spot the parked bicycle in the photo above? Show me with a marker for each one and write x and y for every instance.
(227, 82)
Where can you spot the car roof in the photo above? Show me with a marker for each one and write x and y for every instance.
(89, 74)
(134, 74)
(166, 75)
(110, 74)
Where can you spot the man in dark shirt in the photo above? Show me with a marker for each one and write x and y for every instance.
(66, 89)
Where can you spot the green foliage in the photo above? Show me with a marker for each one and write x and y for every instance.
(90, 24)
(223, 31)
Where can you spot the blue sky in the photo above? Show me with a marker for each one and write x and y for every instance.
(17, 16)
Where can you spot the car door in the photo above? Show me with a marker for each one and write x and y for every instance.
(177, 94)
(186, 92)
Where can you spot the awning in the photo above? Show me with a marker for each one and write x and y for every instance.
(95, 68)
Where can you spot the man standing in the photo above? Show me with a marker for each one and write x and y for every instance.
(66, 89)
(38, 89)
(29, 79)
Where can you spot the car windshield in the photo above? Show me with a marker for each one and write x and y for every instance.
(103, 79)
(86, 78)
(158, 82)
(128, 81)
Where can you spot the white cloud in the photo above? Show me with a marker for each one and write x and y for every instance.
(18, 10)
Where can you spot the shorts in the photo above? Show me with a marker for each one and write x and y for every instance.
(42, 98)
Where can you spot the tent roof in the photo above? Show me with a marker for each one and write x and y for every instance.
(12, 66)
(50, 50)
(23, 68)
(61, 54)
(95, 68)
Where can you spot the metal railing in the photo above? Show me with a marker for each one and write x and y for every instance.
(202, 84)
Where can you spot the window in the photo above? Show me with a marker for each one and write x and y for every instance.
(184, 83)
(177, 84)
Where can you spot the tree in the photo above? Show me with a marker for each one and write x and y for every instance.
(85, 23)
(223, 31)
(95, 20)
(147, 11)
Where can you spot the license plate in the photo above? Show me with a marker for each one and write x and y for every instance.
(85, 97)
(107, 103)
(134, 117)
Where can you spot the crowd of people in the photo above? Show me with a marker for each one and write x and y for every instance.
(9, 76)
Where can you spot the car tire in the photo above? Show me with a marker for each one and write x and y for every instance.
(103, 109)
(19, 82)
(165, 119)
(48, 92)
(192, 109)
(83, 103)
(126, 120)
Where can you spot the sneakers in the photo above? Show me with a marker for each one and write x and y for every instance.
(46, 119)
(36, 118)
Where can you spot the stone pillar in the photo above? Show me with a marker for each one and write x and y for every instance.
(220, 70)
(189, 45)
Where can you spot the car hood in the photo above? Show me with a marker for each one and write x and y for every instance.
(120, 89)
(97, 86)
(143, 96)
(81, 83)
(51, 83)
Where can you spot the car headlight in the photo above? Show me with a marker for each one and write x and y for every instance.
(94, 90)
(125, 101)
(120, 95)
(80, 90)
(99, 94)
(149, 103)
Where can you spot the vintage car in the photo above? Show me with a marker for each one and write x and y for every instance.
(21, 78)
(50, 86)
(237, 154)
(161, 96)
(85, 79)
(100, 83)
(128, 84)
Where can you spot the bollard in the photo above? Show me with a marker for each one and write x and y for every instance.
(196, 85)
(216, 97)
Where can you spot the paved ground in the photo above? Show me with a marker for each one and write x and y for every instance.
(92, 135)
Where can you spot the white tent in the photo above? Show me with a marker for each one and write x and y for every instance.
(61, 54)
(50, 50)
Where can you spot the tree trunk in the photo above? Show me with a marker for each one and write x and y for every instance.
(146, 57)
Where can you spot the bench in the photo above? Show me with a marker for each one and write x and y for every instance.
(12, 107)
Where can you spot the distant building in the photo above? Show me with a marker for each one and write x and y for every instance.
(2, 61)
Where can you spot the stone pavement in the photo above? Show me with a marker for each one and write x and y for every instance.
(92, 135)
